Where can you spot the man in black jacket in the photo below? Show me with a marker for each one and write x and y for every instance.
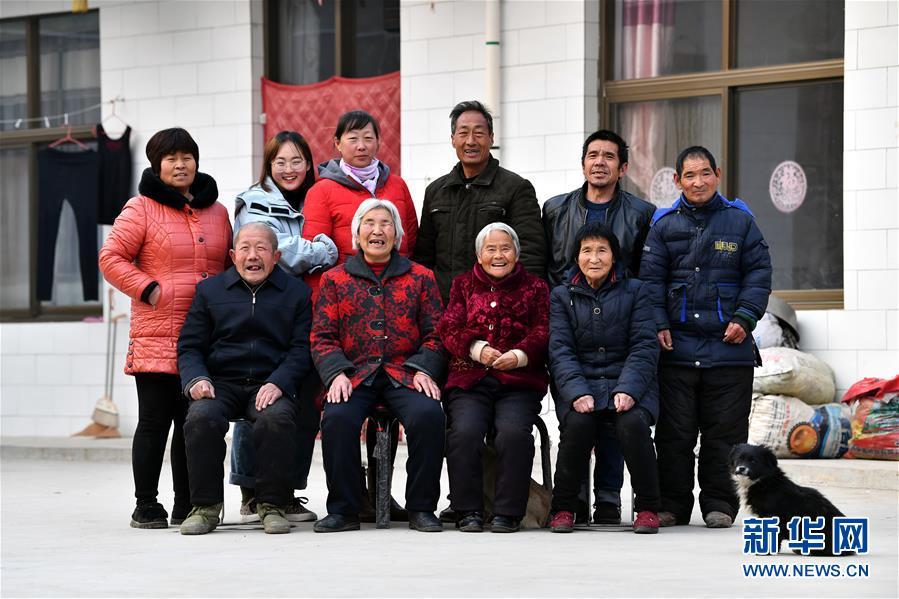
(600, 198)
(477, 192)
(243, 350)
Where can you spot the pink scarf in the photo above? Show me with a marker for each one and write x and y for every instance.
(366, 177)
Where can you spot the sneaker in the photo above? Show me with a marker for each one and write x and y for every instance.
(273, 520)
(562, 522)
(646, 523)
(667, 519)
(607, 513)
(718, 520)
(248, 513)
(150, 515)
(296, 511)
(202, 519)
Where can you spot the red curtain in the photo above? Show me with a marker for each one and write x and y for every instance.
(313, 110)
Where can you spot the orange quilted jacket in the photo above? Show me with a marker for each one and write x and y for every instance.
(161, 238)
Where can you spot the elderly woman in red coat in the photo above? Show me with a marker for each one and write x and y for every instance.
(496, 327)
(374, 341)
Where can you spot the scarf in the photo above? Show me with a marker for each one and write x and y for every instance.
(366, 177)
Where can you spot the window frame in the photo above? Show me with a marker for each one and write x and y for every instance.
(722, 83)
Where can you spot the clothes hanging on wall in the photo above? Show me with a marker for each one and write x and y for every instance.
(73, 177)
(115, 174)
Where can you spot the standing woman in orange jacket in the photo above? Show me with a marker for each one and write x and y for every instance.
(169, 237)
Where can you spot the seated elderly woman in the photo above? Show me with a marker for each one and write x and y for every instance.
(374, 341)
(496, 328)
(603, 355)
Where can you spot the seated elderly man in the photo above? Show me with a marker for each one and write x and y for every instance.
(243, 350)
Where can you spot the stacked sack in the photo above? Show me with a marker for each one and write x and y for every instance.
(875, 419)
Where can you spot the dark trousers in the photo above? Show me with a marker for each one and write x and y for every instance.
(160, 403)
(243, 448)
(608, 473)
(713, 403)
(632, 434)
(274, 436)
(423, 419)
(508, 411)
(71, 176)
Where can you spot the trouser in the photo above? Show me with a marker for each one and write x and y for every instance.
(274, 437)
(632, 432)
(608, 473)
(243, 449)
(510, 412)
(160, 403)
(713, 403)
(423, 420)
(71, 176)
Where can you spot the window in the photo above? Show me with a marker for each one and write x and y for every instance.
(310, 41)
(50, 66)
(759, 83)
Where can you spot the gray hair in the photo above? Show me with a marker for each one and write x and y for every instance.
(374, 204)
(261, 226)
(479, 240)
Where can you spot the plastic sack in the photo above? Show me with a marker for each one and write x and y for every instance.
(768, 332)
(875, 428)
(786, 371)
(792, 428)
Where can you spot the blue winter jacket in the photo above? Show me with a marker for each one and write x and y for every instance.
(706, 266)
(602, 342)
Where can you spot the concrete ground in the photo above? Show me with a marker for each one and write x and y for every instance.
(65, 533)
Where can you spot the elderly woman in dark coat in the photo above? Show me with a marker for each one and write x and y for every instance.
(496, 329)
(603, 355)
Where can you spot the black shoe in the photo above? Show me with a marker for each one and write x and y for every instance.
(336, 523)
(150, 515)
(607, 513)
(425, 522)
(471, 522)
(448, 515)
(505, 524)
(179, 513)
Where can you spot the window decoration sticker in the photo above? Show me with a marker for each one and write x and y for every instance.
(787, 186)
(662, 190)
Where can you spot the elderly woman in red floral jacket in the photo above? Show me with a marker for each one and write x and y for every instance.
(496, 327)
(374, 340)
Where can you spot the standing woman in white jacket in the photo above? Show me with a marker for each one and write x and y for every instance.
(276, 199)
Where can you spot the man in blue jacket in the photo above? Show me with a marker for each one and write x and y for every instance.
(709, 271)
(243, 350)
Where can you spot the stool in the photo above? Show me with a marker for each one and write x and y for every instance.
(383, 419)
(545, 462)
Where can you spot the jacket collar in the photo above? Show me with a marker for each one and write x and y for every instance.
(204, 190)
(278, 278)
(581, 196)
(331, 170)
(510, 280)
(268, 199)
(577, 282)
(485, 178)
(358, 267)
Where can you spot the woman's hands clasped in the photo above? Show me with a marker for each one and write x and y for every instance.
(493, 358)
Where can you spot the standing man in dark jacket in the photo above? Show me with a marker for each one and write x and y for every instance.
(243, 350)
(477, 192)
(709, 272)
(604, 162)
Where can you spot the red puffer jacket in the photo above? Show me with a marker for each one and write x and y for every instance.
(334, 199)
(160, 239)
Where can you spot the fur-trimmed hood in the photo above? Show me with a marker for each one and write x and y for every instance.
(204, 190)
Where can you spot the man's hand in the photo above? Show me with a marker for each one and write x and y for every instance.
(583, 404)
(340, 390)
(154, 296)
(423, 383)
(489, 355)
(664, 337)
(734, 333)
(202, 390)
(268, 394)
(506, 361)
(623, 402)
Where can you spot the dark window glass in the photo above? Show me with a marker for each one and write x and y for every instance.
(666, 37)
(771, 32)
(70, 66)
(14, 78)
(14, 227)
(656, 132)
(377, 39)
(788, 167)
(304, 34)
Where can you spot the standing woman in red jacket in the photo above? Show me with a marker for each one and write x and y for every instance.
(344, 184)
(169, 237)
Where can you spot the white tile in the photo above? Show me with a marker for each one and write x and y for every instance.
(9, 340)
(510, 49)
(863, 14)
(413, 127)
(849, 120)
(545, 182)
(231, 42)
(844, 365)
(573, 180)
(178, 15)
(565, 79)
(216, 13)
(865, 89)
(88, 369)
(138, 18)
(892, 160)
(510, 126)
(565, 11)
(218, 76)
(850, 210)
(524, 83)
(479, 51)
(812, 329)
(865, 250)
(876, 128)
(893, 13)
(878, 290)
(850, 50)
(542, 117)
(449, 54)
(468, 17)
(467, 85)
(248, 12)
(110, 85)
(110, 22)
(156, 114)
(428, 91)
(141, 83)
(430, 19)
(893, 329)
(882, 364)
(39, 340)
(576, 46)
(850, 289)
(893, 249)
(591, 114)
(541, 45)
(878, 47)
(155, 49)
(864, 169)
(193, 46)
(18, 426)
(181, 78)
(53, 369)
(437, 126)
(877, 209)
(233, 108)
(18, 370)
(523, 15)
(574, 115)
(521, 154)
(864, 329)
(117, 53)
(563, 151)
(413, 58)
(892, 86)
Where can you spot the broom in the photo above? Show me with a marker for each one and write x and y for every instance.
(106, 415)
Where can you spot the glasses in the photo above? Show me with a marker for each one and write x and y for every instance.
(293, 165)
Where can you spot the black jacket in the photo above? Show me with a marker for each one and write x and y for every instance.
(565, 214)
(234, 334)
(454, 213)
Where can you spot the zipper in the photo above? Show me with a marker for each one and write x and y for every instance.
(253, 315)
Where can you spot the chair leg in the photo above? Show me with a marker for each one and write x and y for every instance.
(545, 460)
(382, 494)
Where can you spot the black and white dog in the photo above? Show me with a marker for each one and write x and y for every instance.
(766, 491)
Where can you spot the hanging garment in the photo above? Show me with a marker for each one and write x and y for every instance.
(115, 174)
(73, 177)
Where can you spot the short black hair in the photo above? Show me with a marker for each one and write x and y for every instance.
(596, 230)
(606, 135)
(170, 141)
(693, 152)
(356, 119)
(466, 106)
